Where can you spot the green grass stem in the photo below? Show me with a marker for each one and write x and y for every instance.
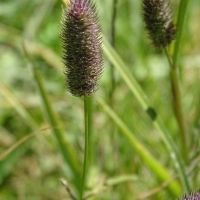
(113, 33)
(180, 24)
(90, 128)
(178, 106)
(86, 151)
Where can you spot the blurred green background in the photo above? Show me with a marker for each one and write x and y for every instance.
(34, 168)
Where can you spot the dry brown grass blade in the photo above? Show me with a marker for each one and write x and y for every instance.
(156, 190)
(14, 146)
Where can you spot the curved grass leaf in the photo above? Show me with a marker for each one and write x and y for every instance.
(145, 155)
(67, 151)
(8, 94)
(142, 99)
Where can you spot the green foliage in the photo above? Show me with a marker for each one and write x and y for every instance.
(33, 169)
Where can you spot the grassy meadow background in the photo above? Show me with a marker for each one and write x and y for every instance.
(32, 170)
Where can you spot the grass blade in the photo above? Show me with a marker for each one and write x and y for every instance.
(18, 143)
(8, 94)
(142, 99)
(150, 161)
(180, 24)
(8, 164)
(67, 151)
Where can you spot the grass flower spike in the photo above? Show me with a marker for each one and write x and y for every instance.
(193, 196)
(82, 56)
(158, 22)
(82, 47)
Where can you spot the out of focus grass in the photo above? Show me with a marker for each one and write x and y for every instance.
(33, 170)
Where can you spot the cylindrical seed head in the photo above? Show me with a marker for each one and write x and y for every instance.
(192, 196)
(82, 47)
(158, 22)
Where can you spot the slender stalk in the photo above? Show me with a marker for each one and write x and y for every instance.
(90, 127)
(85, 165)
(113, 128)
(113, 22)
(112, 74)
(168, 57)
(178, 107)
(180, 24)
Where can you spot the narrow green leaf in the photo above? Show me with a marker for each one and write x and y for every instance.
(150, 161)
(180, 25)
(67, 151)
(8, 164)
(8, 94)
(142, 99)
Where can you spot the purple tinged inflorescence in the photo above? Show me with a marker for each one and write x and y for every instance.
(192, 196)
(82, 47)
(158, 22)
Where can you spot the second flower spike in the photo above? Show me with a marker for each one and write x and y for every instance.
(82, 47)
(158, 22)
